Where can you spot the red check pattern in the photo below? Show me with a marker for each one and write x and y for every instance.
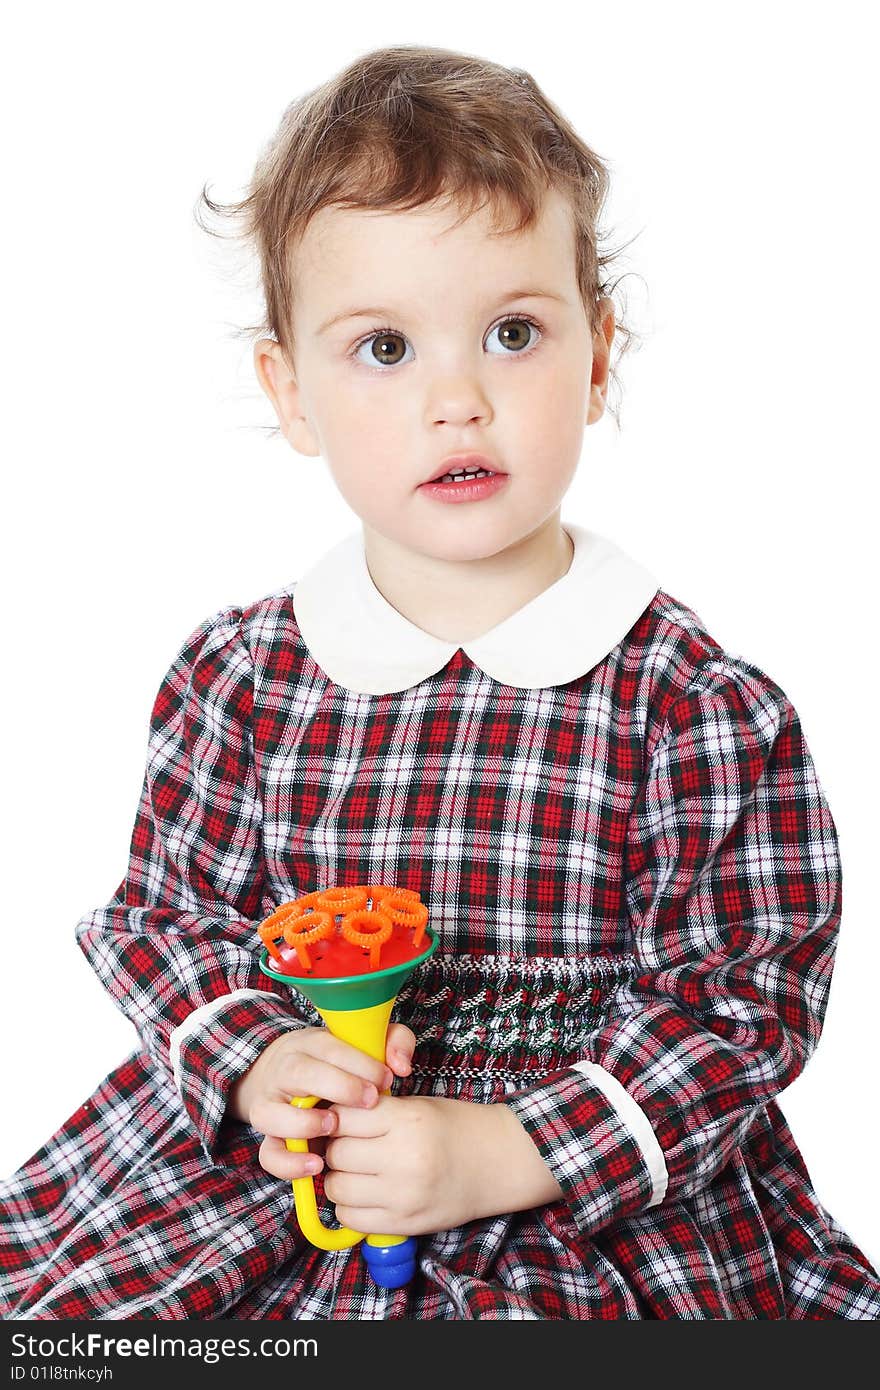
(637, 869)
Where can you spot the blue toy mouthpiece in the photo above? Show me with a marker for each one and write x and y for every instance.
(391, 1266)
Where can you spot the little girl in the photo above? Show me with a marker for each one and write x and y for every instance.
(616, 824)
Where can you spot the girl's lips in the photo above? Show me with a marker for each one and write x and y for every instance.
(467, 491)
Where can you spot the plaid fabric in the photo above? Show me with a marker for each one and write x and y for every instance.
(636, 870)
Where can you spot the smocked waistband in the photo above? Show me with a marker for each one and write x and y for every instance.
(496, 1003)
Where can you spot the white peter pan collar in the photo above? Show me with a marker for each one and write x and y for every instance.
(365, 645)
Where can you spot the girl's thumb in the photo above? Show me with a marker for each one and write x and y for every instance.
(401, 1045)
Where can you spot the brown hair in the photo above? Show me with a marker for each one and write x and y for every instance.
(401, 126)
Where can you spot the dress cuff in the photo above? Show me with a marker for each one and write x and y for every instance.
(216, 1044)
(597, 1142)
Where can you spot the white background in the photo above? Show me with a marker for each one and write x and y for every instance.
(142, 492)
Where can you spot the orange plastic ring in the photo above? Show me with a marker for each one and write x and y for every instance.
(376, 927)
(339, 900)
(309, 899)
(306, 930)
(378, 891)
(406, 913)
(272, 928)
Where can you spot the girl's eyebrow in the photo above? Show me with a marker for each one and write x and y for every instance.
(354, 314)
(380, 313)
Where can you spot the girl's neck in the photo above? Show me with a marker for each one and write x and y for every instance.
(456, 600)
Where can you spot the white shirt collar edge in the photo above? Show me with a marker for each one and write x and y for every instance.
(365, 645)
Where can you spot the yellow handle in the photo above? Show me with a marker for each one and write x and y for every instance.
(311, 1225)
(364, 1028)
(306, 1204)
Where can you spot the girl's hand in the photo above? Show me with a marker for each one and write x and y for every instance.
(311, 1062)
(416, 1164)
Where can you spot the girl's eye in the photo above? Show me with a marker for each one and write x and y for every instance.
(515, 334)
(384, 349)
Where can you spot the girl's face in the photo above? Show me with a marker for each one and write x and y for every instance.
(416, 341)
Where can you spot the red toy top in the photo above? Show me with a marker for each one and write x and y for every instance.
(303, 938)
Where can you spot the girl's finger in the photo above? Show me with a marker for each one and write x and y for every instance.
(401, 1038)
(399, 1062)
(324, 1046)
(363, 1124)
(291, 1121)
(353, 1156)
(277, 1159)
(400, 1046)
(354, 1190)
(312, 1076)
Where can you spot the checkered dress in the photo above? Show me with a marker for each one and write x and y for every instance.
(633, 874)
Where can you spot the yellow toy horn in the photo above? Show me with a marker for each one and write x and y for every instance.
(357, 1009)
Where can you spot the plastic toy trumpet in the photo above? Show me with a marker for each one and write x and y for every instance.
(352, 973)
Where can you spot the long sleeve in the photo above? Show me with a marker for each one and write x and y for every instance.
(175, 946)
(733, 889)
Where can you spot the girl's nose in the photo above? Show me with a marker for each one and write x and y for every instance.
(458, 401)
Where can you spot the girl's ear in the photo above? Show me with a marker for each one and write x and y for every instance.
(280, 385)
(602, 340)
